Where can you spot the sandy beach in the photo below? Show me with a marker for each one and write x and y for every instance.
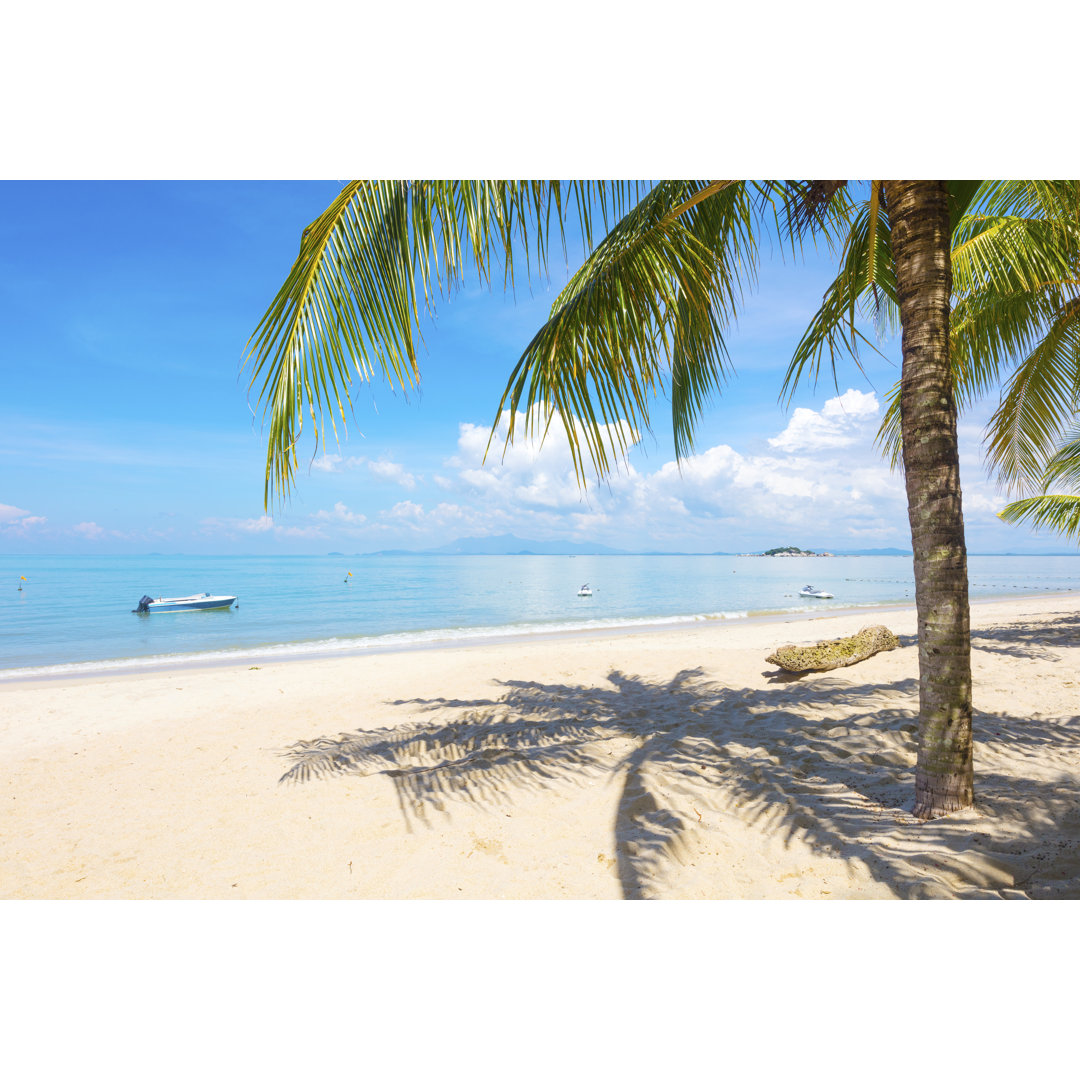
(667, 764)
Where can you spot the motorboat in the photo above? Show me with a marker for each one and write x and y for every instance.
(585, 590)
(817, 594)
(202, 602)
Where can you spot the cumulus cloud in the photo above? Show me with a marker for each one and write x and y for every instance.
(90, 530)
(10, 514)
(822, 478)
(17, 521)
(340, 515)
(384, 468)
(404, 511)
(254, 525)
(822, 481)
(391, 470)
(842, 421)
(535, 471)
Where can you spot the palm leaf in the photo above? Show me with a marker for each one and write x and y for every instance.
(1064, 467)
(866, 279)
(1058, 512)
(653, 297)
(350, 307)
(1039, 401)
(1014, 256)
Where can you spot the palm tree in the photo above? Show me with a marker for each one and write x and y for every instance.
(1058, 510)
(1016, 313)
(647, 311)
(1014, 255)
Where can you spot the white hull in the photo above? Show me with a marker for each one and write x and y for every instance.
(203, 602)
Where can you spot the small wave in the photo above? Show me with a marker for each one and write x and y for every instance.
(381, 642)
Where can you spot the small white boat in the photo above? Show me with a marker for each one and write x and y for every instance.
(585, 590)
(817, 594)
(203, 602)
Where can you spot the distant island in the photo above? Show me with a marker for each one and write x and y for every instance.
(788, 553)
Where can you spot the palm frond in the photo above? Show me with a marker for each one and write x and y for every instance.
(653, 297)
(962, 193)
(833, 330)
(1064, 467)
(371, 264)
(1058, 512)
(1038, 403)
(889, 437)
(1011, 254)
(1015, 255)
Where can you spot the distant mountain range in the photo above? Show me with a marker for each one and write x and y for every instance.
(508, 544)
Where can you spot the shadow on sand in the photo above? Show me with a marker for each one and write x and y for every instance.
(694, 758)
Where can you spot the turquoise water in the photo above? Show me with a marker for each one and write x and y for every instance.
(75, 612)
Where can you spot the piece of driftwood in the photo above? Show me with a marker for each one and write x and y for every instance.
(840, 652)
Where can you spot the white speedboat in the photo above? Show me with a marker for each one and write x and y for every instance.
(585, 590)
(202, 602)
(817, 594)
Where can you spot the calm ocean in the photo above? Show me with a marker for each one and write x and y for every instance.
(74, 613)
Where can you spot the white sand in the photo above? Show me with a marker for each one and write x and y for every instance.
(673, 764)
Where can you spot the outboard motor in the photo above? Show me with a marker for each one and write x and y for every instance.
(144, 605)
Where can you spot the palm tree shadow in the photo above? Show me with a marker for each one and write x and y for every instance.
(693, 761)
(1030, 640)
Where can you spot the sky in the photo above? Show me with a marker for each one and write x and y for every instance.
(127, 425)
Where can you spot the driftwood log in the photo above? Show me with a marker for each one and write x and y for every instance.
(840, 652)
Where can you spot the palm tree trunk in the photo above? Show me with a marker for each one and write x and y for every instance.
(919, 218)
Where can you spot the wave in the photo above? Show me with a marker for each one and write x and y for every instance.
(411, 639)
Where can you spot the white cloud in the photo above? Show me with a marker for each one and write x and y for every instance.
(263, 524)
(14, 520)
(330, 463)
(384, 468)
(254, 525)
(842, 421)
(821, 483)
(835, 486)
(340, 515)
(10, 514)
(404, 511)
(90, 530)
(535, 470)
(391, 470)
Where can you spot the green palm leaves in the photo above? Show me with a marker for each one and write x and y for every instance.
(647, 311)
(1015, 262)
(377, 258)
(1055, 510)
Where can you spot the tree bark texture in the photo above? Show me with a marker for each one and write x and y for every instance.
(921, 233)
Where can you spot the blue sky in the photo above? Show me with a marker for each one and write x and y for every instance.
(125, 424)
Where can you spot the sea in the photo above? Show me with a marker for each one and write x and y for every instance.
(74, 614)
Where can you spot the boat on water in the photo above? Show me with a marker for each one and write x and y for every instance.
(817, 594)
(202, 602)
(585, 590)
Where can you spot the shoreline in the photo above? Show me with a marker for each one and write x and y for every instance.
(654, 764)
(296, 652)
